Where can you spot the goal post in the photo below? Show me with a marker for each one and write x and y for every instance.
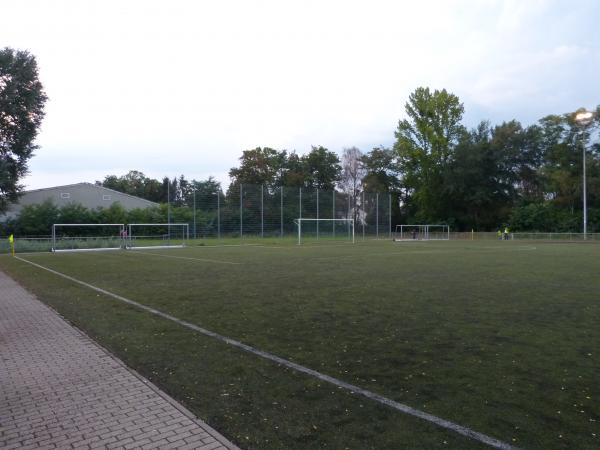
(426, 232)
(157, 235)
(325, 230)
(81, 237)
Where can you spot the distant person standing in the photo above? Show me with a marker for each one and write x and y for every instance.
(506, 233)
(499, 234)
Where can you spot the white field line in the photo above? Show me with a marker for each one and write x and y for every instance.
(480, 437)
(216, 261)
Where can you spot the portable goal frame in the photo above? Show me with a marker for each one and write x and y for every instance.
(118, 239)
(132, 238)
(317, 222)
(426, 232)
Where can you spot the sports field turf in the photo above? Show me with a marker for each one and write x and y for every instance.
(499, 337)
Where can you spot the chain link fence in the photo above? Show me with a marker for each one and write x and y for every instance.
(262, 211)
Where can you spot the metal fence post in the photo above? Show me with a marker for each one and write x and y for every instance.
(281, 212)
(262, 212)
(195, 234)
(218, 215)
(169, 210)
(333, 212)
(317, 214)
(241, 212)
(377, 214)
(300, 200)
(365, 212)
(390, 214)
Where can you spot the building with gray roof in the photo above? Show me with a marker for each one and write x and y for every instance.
(89, 195)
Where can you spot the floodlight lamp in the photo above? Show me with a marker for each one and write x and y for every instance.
(584, 117)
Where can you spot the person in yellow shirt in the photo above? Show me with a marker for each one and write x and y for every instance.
(506, 233)
(11, 242)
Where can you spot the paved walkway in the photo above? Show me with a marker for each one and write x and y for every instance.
(59, 389)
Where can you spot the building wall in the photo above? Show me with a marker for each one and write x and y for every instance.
(86, 194)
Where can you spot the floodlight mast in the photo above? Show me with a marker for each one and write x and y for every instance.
(584, 119)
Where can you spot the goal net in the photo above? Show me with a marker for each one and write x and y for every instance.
(157, 235)
(422, 233)
(325, 230)
(72, 237)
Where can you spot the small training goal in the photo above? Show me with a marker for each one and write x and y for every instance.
(324, 230)
(422, 233)
(157, 235)
(81, 237)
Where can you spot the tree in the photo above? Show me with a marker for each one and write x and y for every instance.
(259, 166)
(322, 168)
(136, 183)
(22, 101)
(381, 170)
(293, 173)
(478, 181)
(424, 145)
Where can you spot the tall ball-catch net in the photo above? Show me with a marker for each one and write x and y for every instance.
(157, 235)
(72, 237)
(422, 233)
(324, 230)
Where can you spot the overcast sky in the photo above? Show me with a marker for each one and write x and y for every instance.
(182, 87)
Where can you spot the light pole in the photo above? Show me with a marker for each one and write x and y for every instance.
(584, 119)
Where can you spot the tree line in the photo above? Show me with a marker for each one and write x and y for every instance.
(528, 177)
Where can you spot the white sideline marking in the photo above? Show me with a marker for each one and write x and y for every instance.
(188, 257)
(483, 438)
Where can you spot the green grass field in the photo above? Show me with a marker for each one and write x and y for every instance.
(500, 337)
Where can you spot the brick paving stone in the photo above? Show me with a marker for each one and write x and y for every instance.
(59, 389)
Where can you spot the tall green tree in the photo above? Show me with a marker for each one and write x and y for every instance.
(22, 101)
(259, 166)
(381, 171)
(322, 168)
(479, 184)
(135, 183)
(425, 141)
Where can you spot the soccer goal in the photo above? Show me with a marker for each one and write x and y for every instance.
(81, 237)
(422, 233)
(325, 230)
(157, 235)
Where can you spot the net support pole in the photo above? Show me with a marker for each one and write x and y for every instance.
(281, 212)
(241, 212)
(262, 212)
(53, 237)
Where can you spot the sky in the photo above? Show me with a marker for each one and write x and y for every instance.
(183, 87)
